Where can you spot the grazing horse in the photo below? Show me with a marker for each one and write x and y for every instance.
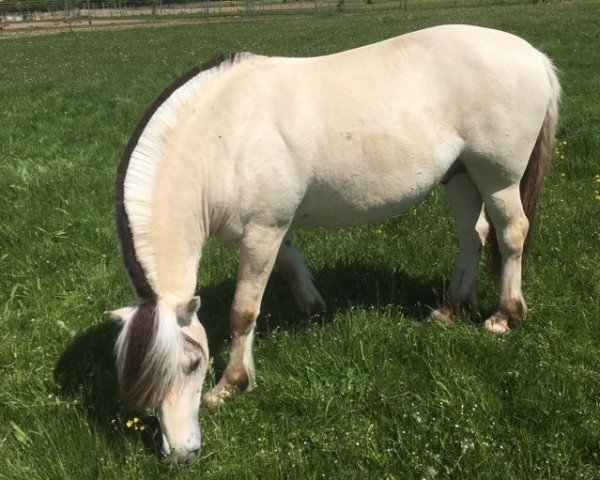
(247, 146)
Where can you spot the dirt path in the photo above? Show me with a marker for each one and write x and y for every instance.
(223, 14)
(48, 27)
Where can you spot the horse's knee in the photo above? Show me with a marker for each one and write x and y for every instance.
(243, 319)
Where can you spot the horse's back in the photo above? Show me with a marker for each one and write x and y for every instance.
(363, 134)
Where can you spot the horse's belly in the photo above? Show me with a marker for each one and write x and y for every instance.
(364, 202)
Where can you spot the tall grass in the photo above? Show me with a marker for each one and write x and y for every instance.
(369, 391)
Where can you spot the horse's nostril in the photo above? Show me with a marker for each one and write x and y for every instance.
(191, 455)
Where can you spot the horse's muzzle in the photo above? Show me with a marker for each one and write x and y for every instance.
(179, 455)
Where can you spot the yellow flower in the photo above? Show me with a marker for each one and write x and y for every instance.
(142, 427)
(136, 419)
(129, 423)
(562, 174)
(564, 142)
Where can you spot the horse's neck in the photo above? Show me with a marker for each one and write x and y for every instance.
(179, 230)
(169, 194)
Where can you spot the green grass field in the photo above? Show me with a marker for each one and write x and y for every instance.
(369, 391)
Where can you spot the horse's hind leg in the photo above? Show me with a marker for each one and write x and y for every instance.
(506, 213)
(292, 266)
(467, 207)
(258, 250)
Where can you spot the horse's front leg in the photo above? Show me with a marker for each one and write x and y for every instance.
(258, 251)
(292, 266)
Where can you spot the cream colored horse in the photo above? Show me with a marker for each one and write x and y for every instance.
(247, 146)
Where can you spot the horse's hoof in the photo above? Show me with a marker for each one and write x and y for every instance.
(215, 398)
(497, 324)
(310, 301)
(442, 315)
(317, 307)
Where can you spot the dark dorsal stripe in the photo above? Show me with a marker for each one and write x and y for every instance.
(134, 269)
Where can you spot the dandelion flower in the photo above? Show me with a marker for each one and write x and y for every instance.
(129, 423)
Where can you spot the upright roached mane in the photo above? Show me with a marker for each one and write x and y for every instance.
(247, 147)
(150, 345)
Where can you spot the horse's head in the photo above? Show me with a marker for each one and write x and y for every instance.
(162, 358)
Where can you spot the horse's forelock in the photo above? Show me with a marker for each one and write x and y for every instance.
(149, 350)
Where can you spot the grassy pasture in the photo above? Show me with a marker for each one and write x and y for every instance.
(369, 391)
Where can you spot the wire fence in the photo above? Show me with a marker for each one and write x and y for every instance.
(69, 10)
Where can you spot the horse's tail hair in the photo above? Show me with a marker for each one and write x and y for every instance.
(539, 161)
(148, 350)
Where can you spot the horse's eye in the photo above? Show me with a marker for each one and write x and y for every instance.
(194, 365)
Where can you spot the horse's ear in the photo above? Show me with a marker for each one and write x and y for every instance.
(185, 311)
(120, 316)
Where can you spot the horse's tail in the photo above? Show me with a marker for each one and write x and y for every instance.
(539, 160)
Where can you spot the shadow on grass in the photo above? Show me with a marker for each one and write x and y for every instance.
(342, 286)
(86, 372)
(86, 369)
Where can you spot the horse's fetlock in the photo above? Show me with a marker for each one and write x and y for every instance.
(239, 379)
(514, 310)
